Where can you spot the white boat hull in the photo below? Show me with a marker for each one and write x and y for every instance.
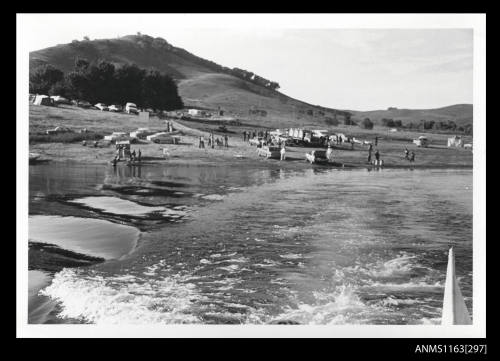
(454, 309)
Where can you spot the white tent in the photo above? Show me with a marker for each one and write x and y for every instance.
(455, 141)
(43, 100)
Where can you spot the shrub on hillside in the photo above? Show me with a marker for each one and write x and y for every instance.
(388, 122)
(366, 124)
(347, 119)
(332, 121)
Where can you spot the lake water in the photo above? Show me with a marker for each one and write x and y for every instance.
(242, 245)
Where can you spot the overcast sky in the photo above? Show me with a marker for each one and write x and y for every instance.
(357, 69)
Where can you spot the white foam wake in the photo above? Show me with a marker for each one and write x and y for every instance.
(123, 299)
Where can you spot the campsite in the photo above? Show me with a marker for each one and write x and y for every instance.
(99, 125)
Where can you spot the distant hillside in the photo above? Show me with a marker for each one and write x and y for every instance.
(205, 84)
(461, 114)
(202, 83)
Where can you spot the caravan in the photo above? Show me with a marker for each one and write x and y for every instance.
(455, 141)
(44, 100)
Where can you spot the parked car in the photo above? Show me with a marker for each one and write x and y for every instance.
(101, 107)
(270, 152)
(141, 133)
(256, 141)
(131, 108)
(81, 103)
(421, 141)
(58, 130)
(163, 138)
(115, 108)
(317, 157)
(117, 136)
(60, 100)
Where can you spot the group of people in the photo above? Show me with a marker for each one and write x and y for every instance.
(250, 135)
(409, 155)
(377, 155)
(212, 141)
(123, 152)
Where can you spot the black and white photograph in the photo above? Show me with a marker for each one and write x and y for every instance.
(251, 175)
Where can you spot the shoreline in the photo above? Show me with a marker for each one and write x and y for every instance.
(233, 156)
(187, 152)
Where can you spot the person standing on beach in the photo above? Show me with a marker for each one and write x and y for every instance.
(244, 135)
(282, 153)
(376, 141)
(406, 153)
(412, 157)
(139, 155)
(329, 153)
(225, 141)
(370, 155)
(377, 157)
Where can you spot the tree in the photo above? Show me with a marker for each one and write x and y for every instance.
(60, 88)
(101, 76)
(128, 82)
(332, 121)
(366, 124)
(388, 122)
(43, 78)
(86, 38)
(347, 119)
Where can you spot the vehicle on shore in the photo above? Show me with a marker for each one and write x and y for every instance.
(81, 103)
(317, 157)
(131, 108)
(102, 107)
(163, 138)
(58, 130)
(269, 152)
(421, 141)
(115, 108)
(60, 100)
(256, 141)
(117, 136)
(141, 133)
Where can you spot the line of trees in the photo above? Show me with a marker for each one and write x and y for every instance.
(428, 125)
(102, 81)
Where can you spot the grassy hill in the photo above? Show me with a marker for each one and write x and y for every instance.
(202, 83)
(205, 84)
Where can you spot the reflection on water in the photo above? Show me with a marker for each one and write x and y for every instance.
(317, 246)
